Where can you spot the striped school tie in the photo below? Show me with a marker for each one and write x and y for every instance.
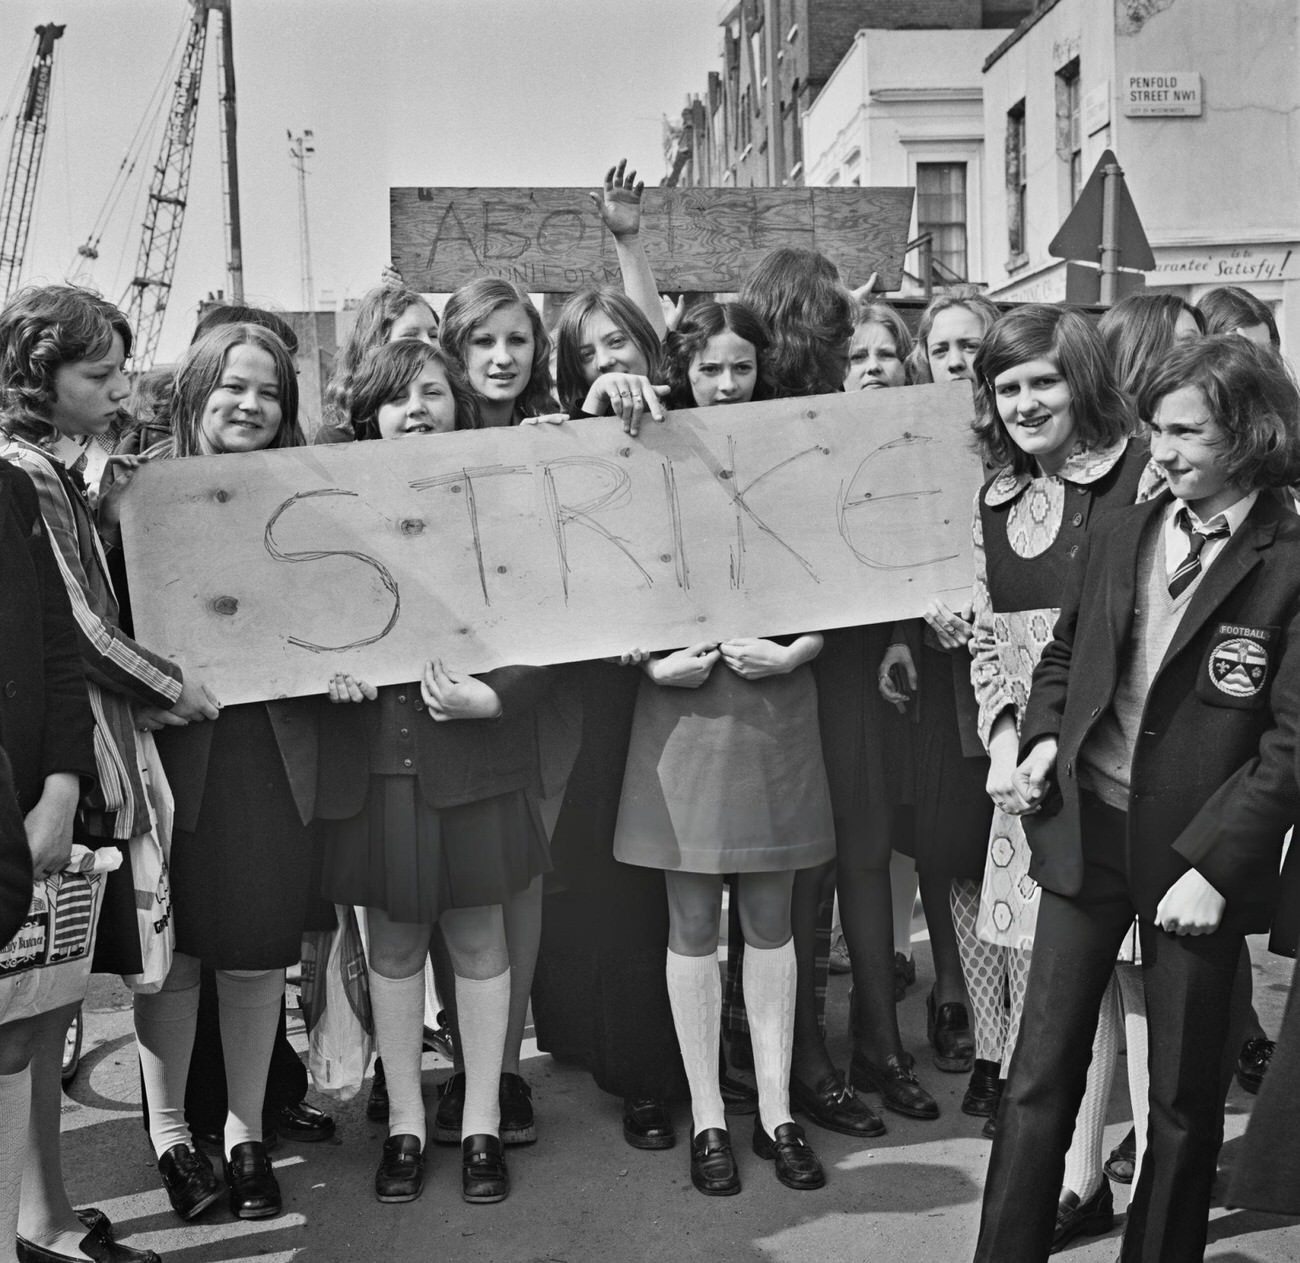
(1190, 569)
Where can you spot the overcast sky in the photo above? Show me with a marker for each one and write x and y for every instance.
(398, 92)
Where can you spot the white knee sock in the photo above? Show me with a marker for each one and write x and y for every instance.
(15, 1106)
(695, 992)
(1133, 1002)
(984, 968)
(397, 1005)
(769, 997)
(902, 889)
(164, 1030)
(249, 1006)
(483, 1010)
(1083, 1173)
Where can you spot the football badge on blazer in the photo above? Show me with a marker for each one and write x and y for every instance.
(1239, 663)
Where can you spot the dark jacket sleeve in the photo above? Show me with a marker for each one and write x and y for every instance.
(15, 858)
(519, 688)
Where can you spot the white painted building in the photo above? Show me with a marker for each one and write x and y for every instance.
(904, 107)
(1198, 99)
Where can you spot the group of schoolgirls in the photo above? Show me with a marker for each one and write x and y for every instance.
(1174, 702)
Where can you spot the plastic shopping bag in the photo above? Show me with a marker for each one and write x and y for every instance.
(336, 1007)
(149, 855)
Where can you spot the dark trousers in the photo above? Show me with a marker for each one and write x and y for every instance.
(1188, 990)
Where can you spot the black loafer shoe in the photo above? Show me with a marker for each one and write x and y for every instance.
(990, 1128)
(450, 1111)
(93, 1246)
(947, 1027)
(897, 1083)
(834, 1105)
(713, 1165)
(647, 1123)
(191, 1183)
(483, 1169)
(1121, 1164)
(254, 1190)
(1252, 1063)
(737, 1097)
(796, 1164)
(400, 1175)
(301, 1122)
(984, 1090)
(517, 1123)
(1089, 1219)
(377, 1101)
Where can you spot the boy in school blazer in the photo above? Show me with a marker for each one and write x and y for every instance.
(1211, 790)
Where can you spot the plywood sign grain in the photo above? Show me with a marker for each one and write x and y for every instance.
(268, 572)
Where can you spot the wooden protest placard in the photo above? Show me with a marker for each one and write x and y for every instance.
(268, 572)
(553, 240)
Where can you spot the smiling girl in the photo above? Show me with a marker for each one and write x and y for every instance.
(433, 820)
(1053, 418)
(243, 848)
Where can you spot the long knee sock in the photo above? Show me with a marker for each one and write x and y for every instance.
(1018, 959)
(695, 993)
(484, 1008)
(398, 1008)
(249, 1006)
(984, 967)
(1083, 1174)
(902, 886)
(769, 997)
(164, 1031)
(15, 1106)
(1133, 1003)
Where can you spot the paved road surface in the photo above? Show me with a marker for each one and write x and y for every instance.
(581, 1195)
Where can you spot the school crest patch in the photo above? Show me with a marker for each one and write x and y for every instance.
(1239, 663)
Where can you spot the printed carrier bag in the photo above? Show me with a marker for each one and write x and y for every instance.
(47, 963)
(336, 1007)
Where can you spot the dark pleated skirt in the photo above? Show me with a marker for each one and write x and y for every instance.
(244, 882)
(415, 861)
(953, 810)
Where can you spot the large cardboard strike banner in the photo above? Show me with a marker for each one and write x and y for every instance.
(268, 572)
(553, 240)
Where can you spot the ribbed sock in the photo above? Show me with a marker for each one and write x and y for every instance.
(1133, 1003)
(484, 1008)
(248, 1002)
(695, 993)
(769, 997)
(1083, 1173)
(397, 1005)
(164, 1030)
(15, 1107)
(984, 968)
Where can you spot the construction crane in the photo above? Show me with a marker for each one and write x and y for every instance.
(146, 298)
(24, 168)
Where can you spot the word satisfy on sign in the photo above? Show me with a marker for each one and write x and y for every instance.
(268, 572)
(552, 241)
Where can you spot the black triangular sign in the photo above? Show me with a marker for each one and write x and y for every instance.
(1080, 236)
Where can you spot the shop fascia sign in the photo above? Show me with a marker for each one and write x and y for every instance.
(1226, 265)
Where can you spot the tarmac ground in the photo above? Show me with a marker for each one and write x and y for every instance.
(582, 1195)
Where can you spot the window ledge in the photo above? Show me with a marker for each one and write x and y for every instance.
(1017, 263)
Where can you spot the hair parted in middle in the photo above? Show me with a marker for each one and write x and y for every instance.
(199, 373)
(700, 323)
(1250, 392)
(881, 313)
(474, 303)
(966, 296)
(1139, 331)
(1228, 308)
(1066, 338)
(797, 294)
(376, 315)
(571, 380)
(389, 369)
